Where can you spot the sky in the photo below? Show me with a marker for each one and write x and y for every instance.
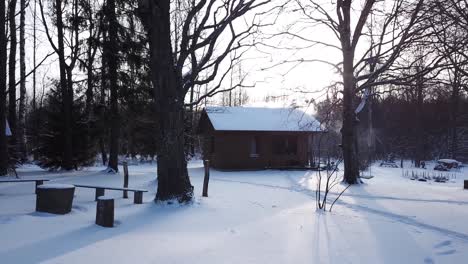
(274, 66)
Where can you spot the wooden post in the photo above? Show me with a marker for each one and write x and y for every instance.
(125, 167)
(137, 197)
(99, 192)
(38, 182)
(466, 185)
(206, 163)
(105, 212)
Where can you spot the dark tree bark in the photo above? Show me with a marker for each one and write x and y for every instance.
(90, 53)
(348, 130)
(354, 79)
(454, 104)
(3, 57)
(94, 29)
(22, 100)
(419, 122)
(66, 72)
(195, 61)
(102, 105)
(173, 180)
(34, 103)
(12, 74)
(65, 81)
(111, 51)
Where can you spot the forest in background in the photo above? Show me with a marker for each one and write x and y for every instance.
(130, 78)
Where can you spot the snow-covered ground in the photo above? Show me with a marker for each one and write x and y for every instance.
(250, 217)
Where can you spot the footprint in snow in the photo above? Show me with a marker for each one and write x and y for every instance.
(79, 208)
(448, 252)
(443, 244)
(5, 219)
(429, 260)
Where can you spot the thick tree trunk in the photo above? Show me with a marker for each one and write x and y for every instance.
(34, 104)
(12, 75)
(68, 156)
(102, 107)
(191, 136)
(66, 85)
(112, 53)
(89, 84)
(454, 102)
(419, 123)
(173, 180)
(3, 57)
(102, 148)
(22, 100)
(348, 130)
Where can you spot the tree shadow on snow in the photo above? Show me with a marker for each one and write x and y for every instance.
(56, 246)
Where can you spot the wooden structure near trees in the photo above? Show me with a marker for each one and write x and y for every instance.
(37, 181)
(105, 211)
(100, 191)
(55, 198)
(242, 138)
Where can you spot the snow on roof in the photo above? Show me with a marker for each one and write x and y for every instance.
(261, 119)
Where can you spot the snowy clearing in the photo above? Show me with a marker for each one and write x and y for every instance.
(250, 217)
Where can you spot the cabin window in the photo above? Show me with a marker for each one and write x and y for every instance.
(285, 145)
(254, 147)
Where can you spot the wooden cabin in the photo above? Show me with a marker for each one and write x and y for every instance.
(244, 138)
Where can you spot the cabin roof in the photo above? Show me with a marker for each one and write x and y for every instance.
(261, 119)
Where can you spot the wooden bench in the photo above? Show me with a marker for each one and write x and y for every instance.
(100, 190)
(38, 181)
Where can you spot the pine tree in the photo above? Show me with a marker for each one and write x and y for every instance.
(50, 149)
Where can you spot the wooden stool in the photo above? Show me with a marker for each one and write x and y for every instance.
(54, 198)
(105, 211)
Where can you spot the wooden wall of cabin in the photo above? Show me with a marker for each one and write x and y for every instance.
(233, 150)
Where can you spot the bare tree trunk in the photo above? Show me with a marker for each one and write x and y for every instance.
(454, 103)
(102, 148)
(192, 132)
(102, 105)
(112, 53)
(90, 53)
(348, 130)
(12, 75)
(22, 100)
(65, 83)
(34, 103)
(3, 58)
(420, 135)
(370, 139)
(173, 180)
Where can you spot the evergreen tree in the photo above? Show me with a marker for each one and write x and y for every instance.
(50, 149)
